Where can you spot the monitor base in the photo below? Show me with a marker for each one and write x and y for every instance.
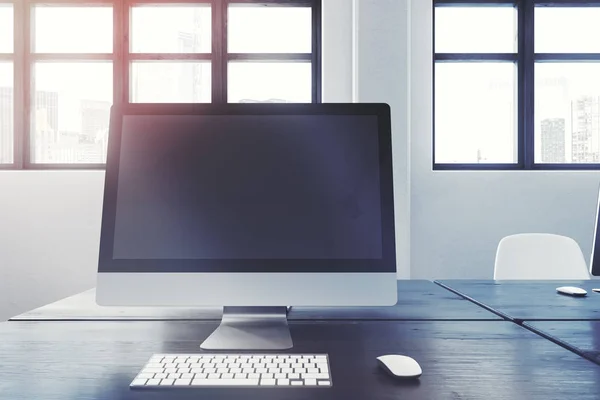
(251, 328)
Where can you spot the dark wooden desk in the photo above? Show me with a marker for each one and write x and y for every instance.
(417, 300)
(530, 300)
(581, 337)
(461, 360)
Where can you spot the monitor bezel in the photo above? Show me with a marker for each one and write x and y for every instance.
(386, 264)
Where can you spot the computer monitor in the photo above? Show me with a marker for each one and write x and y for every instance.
(250, 207)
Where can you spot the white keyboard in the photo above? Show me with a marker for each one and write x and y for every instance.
(229, 370)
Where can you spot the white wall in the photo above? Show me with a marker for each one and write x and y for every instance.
(448, 223)
(49, 236)
(457, 218)
(381, 75)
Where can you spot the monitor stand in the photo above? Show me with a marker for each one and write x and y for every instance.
(251, 328)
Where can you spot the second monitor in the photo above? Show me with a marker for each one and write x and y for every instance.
(251, 207)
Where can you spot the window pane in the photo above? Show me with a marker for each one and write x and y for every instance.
(256, 29)
(276, 82)
(475, 30)
(160, 29)
(6, 28)
(70, 114)
(475, 113)
(73, 29)
(170, 82)
(567, 30)
(6, 113)
(567, 113)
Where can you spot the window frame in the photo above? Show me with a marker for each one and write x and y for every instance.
(525, 60)
(121, 57)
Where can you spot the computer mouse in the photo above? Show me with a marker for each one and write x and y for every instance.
(571, 291)
(400, 366)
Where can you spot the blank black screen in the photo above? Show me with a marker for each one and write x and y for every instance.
(248, 187)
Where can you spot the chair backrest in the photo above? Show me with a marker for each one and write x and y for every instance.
(539, 256)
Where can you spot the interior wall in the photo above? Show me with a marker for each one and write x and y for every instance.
(458, 217)
(381, 71)
(448, 223)
(50, 220)
(49, 236)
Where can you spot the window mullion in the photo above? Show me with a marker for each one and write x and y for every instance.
(118, 50)
(27, 82)
(526, 88)
(316, 52)
(219, 51)
(18, 83)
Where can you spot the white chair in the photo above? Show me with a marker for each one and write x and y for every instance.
(539, 256)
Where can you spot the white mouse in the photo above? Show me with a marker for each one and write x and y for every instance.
(571, 291)
(400, 366)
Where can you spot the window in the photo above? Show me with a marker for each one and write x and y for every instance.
(516, 84)
(63, 63)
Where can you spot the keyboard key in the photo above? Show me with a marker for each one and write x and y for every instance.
(268, 382)
(283, 382)
(296, 383)
(173, 376)
(222, 370)
(324, 383)
(153, 382)
(145, 376)
(294, 376)
(139, 382)
(241, 376)
(310, 382)
(182, 382)
(167, 382)
(160, 376)
(225, 382)
(315, 376)
(213, 376)
(280, 376)
(254, 376)
(268, 376)
(227, 376)
(186, 376)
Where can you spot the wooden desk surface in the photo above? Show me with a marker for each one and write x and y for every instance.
(461, 360)
(582, 337)
(530, 300)
(417, 300)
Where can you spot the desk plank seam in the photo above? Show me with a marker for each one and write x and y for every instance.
(472, 300)
(558, 342)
